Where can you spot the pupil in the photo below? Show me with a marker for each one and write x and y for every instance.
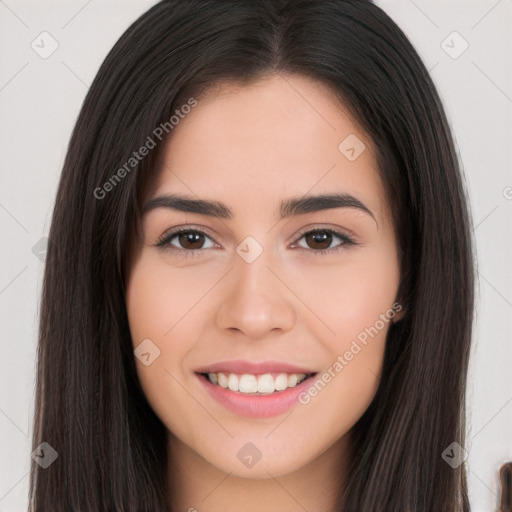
(321, 238)
(190, 239)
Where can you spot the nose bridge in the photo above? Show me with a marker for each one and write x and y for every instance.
(252, 261)
(254, 278)
(255, 300)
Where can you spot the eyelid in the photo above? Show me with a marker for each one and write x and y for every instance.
(172, 232)
(347, 240)
(340, 232)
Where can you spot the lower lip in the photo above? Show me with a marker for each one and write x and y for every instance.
(256, 406)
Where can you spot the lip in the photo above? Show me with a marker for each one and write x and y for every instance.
(240, 366)
(256, 406)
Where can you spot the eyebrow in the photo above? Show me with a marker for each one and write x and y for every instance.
(289, 207)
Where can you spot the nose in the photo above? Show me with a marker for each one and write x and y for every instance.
(255, 301)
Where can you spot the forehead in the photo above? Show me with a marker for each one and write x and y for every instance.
(284, 135)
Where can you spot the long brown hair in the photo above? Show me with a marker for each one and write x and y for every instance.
(89, 405)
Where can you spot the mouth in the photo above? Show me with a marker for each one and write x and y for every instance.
(255, 390)
(256, 384)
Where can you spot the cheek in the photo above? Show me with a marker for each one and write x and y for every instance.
(158, 298)
(160, 306)
(159, 303)
(354, 300)
(351, 294)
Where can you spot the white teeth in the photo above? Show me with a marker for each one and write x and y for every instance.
(281, 382)
(250, 384)
(247, 384)
(222, 379)
(292, 380)
(266, 383)
(233, 382)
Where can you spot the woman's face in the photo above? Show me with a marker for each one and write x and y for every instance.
(251, 294)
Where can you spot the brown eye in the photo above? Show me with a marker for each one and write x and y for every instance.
(190, 240)
(319, 239)
(185, 240)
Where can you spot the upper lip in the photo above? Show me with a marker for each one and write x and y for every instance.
(240, 366)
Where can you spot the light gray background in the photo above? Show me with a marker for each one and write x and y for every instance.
(40, 99)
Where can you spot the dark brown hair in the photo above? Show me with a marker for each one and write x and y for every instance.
(89, 404)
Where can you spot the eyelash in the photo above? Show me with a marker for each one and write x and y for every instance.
(164, 241)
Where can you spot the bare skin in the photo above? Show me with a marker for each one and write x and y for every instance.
(251, 147)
